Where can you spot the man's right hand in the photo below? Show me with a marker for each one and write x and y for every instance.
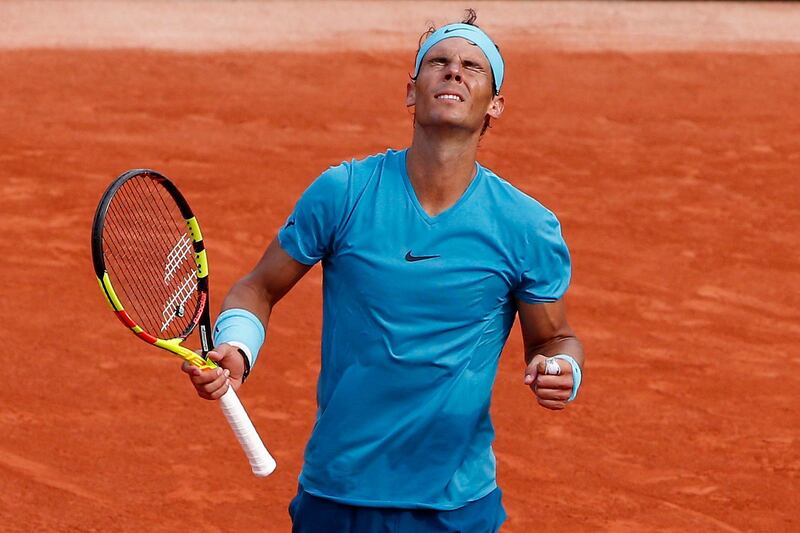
(258, 292)
(212, 383)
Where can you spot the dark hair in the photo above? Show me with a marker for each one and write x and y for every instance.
(470, 16)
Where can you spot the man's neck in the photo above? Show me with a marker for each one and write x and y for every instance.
(440, 168)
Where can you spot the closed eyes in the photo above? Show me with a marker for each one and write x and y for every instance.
(471, 65)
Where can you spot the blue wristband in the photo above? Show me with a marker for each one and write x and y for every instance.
(242, 329)
(576, 373)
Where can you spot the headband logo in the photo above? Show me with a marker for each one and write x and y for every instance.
(448, 30)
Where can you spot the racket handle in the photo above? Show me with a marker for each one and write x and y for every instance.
(261, 461)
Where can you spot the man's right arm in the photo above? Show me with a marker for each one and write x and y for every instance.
(258, 292)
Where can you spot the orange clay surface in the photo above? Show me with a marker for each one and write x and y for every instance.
(674, 170)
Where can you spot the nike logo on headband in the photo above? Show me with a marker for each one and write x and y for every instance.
(448, 30)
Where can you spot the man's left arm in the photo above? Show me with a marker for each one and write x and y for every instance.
(546, 333)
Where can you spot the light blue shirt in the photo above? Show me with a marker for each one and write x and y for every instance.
(416, 310)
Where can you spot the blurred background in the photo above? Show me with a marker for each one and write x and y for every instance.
(664, 135)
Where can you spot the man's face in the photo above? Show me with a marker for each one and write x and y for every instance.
(454, 87)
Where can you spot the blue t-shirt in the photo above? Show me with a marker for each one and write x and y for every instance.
(416, 310)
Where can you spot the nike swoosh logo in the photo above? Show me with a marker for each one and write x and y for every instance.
(290, 223)
(413, 258)
(448, 30)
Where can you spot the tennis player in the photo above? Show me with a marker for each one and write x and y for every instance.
(427, 257)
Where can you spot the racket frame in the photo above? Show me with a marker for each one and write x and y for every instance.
(202, 317)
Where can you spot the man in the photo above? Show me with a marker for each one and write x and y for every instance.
(427, 257)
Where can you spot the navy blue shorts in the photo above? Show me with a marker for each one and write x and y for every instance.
(312, 514)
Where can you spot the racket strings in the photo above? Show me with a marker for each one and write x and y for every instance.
(150, 258)
(178, 269)
(120, 257)
(171, 304)
(178, 259)
(129, 258)
(126, 254)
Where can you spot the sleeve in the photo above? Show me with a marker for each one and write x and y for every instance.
(545, 267)
(309, 232)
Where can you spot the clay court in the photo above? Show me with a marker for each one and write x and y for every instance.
(665, 136)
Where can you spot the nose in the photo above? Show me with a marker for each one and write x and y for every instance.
(453, 71)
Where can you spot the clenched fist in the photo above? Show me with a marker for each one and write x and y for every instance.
(551, 380)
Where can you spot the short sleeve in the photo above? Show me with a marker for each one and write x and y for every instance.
(309, 232)
(545, 263)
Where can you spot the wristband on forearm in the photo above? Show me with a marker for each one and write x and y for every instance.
(243, 330)
(576, 373)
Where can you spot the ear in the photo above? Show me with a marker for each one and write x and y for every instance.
(411, 97)
(497, 106)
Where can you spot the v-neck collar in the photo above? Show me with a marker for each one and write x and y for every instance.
(412, 194)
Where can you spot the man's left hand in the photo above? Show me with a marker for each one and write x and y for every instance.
(552, 391)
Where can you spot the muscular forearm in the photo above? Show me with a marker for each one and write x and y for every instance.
(246, 294)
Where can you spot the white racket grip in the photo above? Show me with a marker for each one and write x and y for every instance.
(261, 461)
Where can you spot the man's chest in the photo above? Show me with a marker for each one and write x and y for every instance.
(461, 271)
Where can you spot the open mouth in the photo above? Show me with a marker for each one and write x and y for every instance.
(449, 96)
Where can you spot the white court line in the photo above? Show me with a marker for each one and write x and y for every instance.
(348, 25)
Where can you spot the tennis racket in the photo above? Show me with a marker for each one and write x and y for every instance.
(151, 264)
